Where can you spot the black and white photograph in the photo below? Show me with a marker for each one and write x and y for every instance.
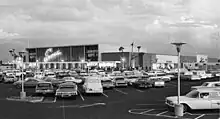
(109, 59)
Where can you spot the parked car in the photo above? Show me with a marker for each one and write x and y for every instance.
(68, 89)
(10, 79)
(215, 84)
(92, 85)
(120, 81)
(157, 82)
(107, 83)
(44, 88)
(28, 82)
(50, 74)
(55, 82)
(199, 99)
(131, 79)
(39, 75)
(72, 79)
(142, 82)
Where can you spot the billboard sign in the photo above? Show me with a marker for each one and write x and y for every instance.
(50, 55)
(201, 58)
(166, 59)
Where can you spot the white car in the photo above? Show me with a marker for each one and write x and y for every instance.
(131, 79)
(72, 79)
(50, 74)
(39, 75)
(92, 85)
(215, 84)
(157, 81)
(195, 77)
(204, 98)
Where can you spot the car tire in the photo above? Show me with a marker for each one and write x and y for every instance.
(186, 108)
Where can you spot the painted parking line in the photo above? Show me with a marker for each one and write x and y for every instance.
(139, 90)
(105, 95)
(162, 113)
(90, 105)
(200, 116)
(147, 111)
(120, 91)
(69, 106)
(81, 96)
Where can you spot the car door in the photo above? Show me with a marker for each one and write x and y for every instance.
(202, 101)
(215, 100)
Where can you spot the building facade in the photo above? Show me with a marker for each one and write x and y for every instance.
(64, 53)
(149, 61)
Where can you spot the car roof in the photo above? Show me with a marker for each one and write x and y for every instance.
(213, 82)
(44, 82)
(208, 90)
(68, 84)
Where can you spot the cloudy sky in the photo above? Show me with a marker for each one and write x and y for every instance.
(153, 24)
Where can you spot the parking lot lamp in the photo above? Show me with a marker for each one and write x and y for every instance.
(22, 93)
(82, 64)
(123, 62)
(180, 110)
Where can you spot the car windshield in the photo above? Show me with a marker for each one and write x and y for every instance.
(132, 77)
(106, 81)
(119, 79)
(93, 81)
(44, 85)
(10, 76)
(192, 94)
(68, 87)
(50, 74)
(205, 84)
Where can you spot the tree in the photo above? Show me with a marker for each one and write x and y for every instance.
(121, 49)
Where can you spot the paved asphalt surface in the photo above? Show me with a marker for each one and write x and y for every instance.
(118, 103)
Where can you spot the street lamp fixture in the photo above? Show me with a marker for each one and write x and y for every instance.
(22, 93)
(178, 48)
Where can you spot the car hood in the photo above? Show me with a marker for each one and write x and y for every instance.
(196, 87)
(66, 90)
(182, 98)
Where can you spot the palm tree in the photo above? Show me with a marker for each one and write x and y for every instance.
(121, 49)
(138, 47)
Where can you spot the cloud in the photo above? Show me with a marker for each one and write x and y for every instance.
(114, 23)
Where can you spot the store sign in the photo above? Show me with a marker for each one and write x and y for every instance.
(166, 59)
(50, 55)
(201, 58)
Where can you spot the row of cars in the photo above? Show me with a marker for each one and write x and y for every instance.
(93, 82)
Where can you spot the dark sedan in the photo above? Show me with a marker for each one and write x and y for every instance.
(142, 83)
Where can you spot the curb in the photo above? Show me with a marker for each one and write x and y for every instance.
(25, 100)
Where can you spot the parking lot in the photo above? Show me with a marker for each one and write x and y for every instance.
(118, 103)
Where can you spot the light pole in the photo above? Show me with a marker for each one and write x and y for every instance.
(22, 93)
(178, 111)
(123, 62)
(82, 61)
(62, 64)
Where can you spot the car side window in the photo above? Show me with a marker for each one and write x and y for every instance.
(204, 95)
(217, 85)
(214, 95)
